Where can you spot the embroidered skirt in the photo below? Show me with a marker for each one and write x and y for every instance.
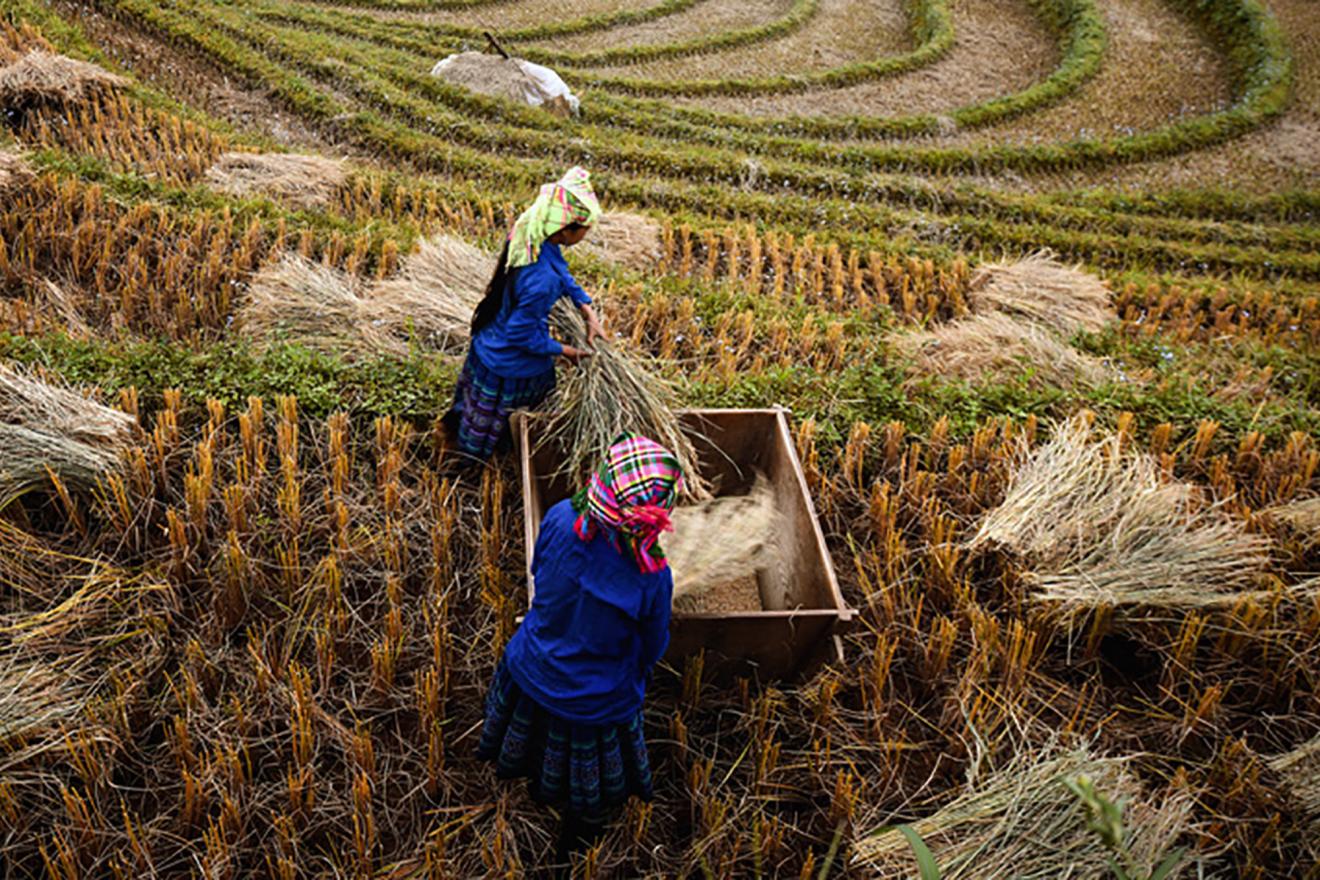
(590, 769)
(483, 402)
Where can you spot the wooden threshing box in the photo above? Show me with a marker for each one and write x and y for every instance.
(803, 608)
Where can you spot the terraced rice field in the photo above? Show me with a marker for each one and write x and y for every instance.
(257, 644)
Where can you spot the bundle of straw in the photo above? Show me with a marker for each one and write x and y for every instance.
(46, 430)
(14, 171)
(316, 306)
(1303, 516)
(299, 181)
(720, 540)
(1022, 821)
(435, 292)
(33, 697)
(621, 239)
(1042, 289)
(1300, 770)
(997, 346)
(41, 77)
(609, 393)
(1098, 526)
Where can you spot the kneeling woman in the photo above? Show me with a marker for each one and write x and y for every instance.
(511, 362)
(565, 707)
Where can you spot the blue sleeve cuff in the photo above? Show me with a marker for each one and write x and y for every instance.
(576, 293)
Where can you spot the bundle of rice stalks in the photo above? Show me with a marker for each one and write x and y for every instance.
(1042, 289)
(1096, 525)
(43, 78)
(997, 346)
(628, 240)
(33, 697)
(433, 296)
(1302, 516)
(46, 430)
(299, 181)
(313, 305)
(14, 171)
(721, 541)
(1300, 770)
(1022, 821)
(609, 393)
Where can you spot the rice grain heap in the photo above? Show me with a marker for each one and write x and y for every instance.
(299, 181)
(42, 78)
(313, 305)
(1022, 821)
(435, 292)
(632, 241)
(1096, 525)
(609, 393)
(1040, 288)
(995, 347)
(46, 430)
(721, 542)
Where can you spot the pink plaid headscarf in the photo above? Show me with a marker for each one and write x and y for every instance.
(630, 499)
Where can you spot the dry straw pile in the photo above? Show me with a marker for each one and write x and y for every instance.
(48, 432)
(1302, 516)
(15, 172)
(510, 79)
(610, 393)
(1300, 770)
(996, 346)
(721, 541)
(43, 78)
(1022, 821)
(435, 292)
(1097, 525)
(1023, 314)
(622, 239)
(1040, 288)
(311, 304)
(299, 181)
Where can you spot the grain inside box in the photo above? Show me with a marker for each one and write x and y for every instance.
(801, 609)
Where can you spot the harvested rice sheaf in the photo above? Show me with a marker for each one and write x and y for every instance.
(310, 304)
(1041, 289)
(1303, 516)
(299, 181)
(44, 78)
(1022, 821)
(993, 346)
(1097, 525)
(607, 394)
(48, 430)
(433, 296)
(15, 172)
(1300, 770)
(621, 239)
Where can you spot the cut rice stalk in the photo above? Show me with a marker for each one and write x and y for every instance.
(1042, 289)
(622, 239)
(994, 347)
(435, 292)
(1097, 526)
(1304, 516)
(1022, 821)
(299, 181)
(609, 393)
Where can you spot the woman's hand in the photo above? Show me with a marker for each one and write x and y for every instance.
(595, 330)
(575, 356)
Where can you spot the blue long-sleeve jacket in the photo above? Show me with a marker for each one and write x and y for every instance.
(517, 344)
(596, 626)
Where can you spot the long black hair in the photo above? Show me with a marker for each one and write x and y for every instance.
(501, 285)
(489, 308)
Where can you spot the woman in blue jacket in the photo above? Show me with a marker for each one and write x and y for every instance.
(511, 362)
(565, 707)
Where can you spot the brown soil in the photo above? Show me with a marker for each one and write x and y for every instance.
(732, 597)
(1283, 155)
(190, 78)
(710, 17)
(999, 48)
(841, 31)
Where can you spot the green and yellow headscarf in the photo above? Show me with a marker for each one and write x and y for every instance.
(561, 204)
